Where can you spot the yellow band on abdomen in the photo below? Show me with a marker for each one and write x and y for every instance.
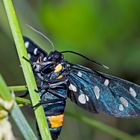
(56, 121)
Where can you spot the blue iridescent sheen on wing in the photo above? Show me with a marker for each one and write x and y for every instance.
(113, 95)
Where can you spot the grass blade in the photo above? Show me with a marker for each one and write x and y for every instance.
(27, 70)
(22, 123)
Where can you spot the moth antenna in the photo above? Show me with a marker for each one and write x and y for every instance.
(44, 36)
(81, 55)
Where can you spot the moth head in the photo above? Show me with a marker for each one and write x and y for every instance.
(55, 56)
(53, 63)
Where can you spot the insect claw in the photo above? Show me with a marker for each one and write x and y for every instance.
(37, 105)
(25, 59)
(36, 90)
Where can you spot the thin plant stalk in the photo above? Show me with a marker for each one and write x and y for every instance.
(27, 70)
(18, 88)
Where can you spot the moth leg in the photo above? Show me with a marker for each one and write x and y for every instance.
(26, 59)
(57, 95)
(42, 102)
(60, 97)
(52, 92)
(37, 91)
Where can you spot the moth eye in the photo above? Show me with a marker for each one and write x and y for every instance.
(55, 56)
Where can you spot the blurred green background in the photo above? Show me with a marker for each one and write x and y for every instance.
(105, 30)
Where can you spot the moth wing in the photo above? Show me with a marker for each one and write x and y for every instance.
(34, 51)
(95, 91)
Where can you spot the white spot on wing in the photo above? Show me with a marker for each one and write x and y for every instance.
(72, 87)
(106, 82)
(132, 92)
(87, 98)
(97, 92)
(79, 74)
(45, 58)
(83, 98)
(124, 101)
(27, 44)
(121, 108)
(35, 51)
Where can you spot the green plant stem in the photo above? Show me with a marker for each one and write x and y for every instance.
(100, 126)
(27, 70)
(4, 92)
(17, 88)
(23, 101)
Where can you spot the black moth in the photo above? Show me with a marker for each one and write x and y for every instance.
(94, 91)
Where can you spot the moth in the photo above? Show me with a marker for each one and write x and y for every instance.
(58, 79)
